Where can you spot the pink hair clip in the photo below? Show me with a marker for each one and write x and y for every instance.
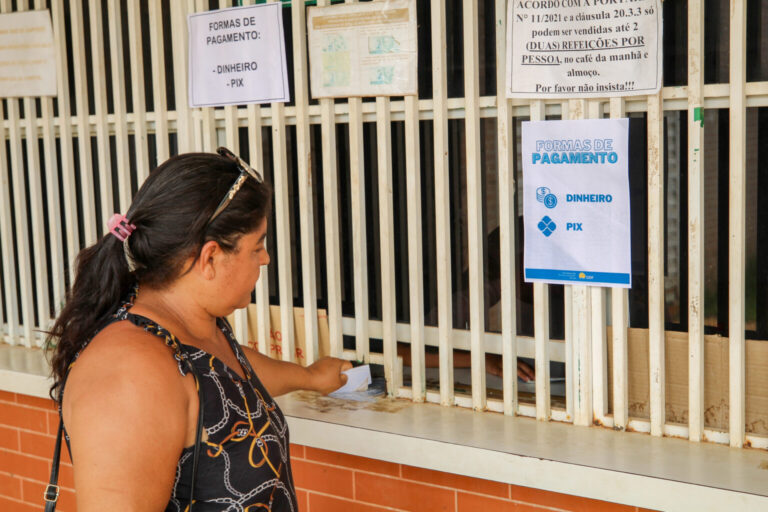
(120, 227)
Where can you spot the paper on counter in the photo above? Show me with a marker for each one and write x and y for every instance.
(358, 379)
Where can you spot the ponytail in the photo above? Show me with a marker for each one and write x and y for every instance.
(102, 279)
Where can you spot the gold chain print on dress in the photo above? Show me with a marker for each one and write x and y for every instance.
(247, 440)
(242, 430)
(245, 462)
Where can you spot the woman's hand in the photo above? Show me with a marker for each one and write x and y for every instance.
(325, 374)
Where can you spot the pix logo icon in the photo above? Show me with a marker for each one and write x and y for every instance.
(547, 225)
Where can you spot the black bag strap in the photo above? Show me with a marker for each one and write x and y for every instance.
(198, 434)
(51, 494)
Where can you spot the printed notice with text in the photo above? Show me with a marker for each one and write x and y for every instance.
(27, 55)
(583, 48)
(237, 56)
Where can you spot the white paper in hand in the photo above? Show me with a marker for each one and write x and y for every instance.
(358, 379)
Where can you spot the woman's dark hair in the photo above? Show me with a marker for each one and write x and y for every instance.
(171, 212)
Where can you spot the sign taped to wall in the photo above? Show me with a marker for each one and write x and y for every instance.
(576, 202)
(365, 49)
(237, 56)
(27, 55)
(583, 48)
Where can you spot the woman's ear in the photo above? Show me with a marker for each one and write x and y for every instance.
(209, 257)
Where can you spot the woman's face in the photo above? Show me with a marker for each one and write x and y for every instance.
(241, 269)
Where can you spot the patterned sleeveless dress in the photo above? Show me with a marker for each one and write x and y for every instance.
(244, 463)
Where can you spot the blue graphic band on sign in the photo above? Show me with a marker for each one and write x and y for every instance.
(577, 276)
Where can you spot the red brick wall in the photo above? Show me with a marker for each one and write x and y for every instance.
(27, 435)
(326, 481)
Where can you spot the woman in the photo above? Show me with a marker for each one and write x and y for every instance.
(141, 349)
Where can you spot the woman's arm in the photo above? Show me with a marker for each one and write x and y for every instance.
(127, 411)
(281, 377)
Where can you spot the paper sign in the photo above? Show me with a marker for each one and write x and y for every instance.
(365, 49)
(583, 48)
(27, 55)
(576, 202)
(237, 56)
(358, 379)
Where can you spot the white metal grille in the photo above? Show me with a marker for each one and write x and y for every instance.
(60, 156)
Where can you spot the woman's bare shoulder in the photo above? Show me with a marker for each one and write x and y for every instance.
(124, 361)
(124, 399)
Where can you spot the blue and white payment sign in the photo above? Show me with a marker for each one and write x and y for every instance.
(576, 202)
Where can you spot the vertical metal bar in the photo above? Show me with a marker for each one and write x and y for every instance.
(619, 324)
(695, 220)
(581, 309)
(18, 178)
(197, 129)
(2, 307)
(619, 303)
(158, 80)
(232, 141)
(656, 261)
(65, 137)
(37, 230)
(474, 204)
(570, 372)
(415, 252)
(305, 182)
(359, 252)
(599, 354)
(6, 243)
(582, 353)
(737, 221)
(507, 216)
(231, 138)
(541, 332)
(55, 243)
(598, 331)
(568, 312)
(283, 228)
(442, 202)
(256, 155)
(541, 320)
(83, 124)
(205, 123)
(135, 39)
(331, 214)
(387, 242)
(119, 102)
(98, 73)
(22, 229)
(184, 120)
